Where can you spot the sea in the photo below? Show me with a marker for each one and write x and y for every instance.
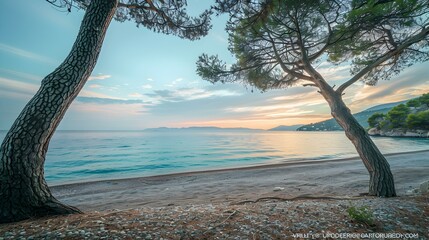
(79, 156)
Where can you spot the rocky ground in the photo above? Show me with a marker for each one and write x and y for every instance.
(401, 217)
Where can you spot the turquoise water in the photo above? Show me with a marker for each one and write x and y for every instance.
(76, 156)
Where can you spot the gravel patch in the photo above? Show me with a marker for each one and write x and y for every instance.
(268, 219)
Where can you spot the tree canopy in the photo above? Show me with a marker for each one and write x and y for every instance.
(418, 120)
(164, 16)
(397, 115)
(275, 41)
(373, 120)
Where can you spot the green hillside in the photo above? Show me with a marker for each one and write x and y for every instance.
(414, 115)
(361, 117)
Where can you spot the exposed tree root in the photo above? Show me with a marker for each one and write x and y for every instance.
(300, 197)
(50, 208)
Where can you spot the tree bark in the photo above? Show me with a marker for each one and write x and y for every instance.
(381, 181)
(23, 189)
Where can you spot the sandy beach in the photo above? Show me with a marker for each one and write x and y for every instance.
(342, 178)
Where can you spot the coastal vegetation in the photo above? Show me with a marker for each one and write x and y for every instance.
(361, 117)
(279, 44)
(411, 116)
(361, 214)
(408, 115)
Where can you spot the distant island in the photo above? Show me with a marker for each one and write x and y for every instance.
(285, 128)
(209, 128)
(404, 120)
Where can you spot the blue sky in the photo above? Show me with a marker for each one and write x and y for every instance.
(145, 79)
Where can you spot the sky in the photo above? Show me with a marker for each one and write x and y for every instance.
(145, 79)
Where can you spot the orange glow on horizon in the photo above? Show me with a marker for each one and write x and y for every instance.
(251, 123)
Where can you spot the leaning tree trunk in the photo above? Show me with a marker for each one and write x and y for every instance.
(381, 179)
(23, 189)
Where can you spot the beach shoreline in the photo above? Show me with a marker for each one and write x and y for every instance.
(323, 178)
(245, 167)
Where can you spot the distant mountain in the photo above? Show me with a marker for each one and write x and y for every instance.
(285, 128)
(361, 117)
(161, 129)
(385, 106)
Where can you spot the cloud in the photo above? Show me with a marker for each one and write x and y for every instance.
(18, 86)
(146, 86)
(94, 86)
(86, 93)
(136, 95)
(29, 89)
(26, 54)
(149, 79)
(335, 73)
(288, 104)
(107, 100)
(22, 75)
(198, 93)
(255, 122)
(412, 83)
(309, 98)
(286, 116)
(99, 77)
(104, 116)
(188, 94)
(175, 82)
(290, 113)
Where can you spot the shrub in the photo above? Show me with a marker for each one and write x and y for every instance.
(398, 115)
(361, 214)
(375, 119)
(424, 99)
(418, 120)
(414, 103)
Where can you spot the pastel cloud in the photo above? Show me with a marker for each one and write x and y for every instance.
(174, 83)
(411, 83)
(18, 86)
(296, 104)
(254, 121)
(94, 86)
(188, 94)
(136, 95)
(99, 77)
(25, 54)
(107, 100)
(334, 73)
(22, 75)
(146, 86)
(86, 93)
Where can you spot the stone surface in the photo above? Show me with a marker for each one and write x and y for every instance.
(424, 187)
(399, 133)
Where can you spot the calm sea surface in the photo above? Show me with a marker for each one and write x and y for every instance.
(76, 156)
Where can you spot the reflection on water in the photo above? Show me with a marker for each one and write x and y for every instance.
(93, 155)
